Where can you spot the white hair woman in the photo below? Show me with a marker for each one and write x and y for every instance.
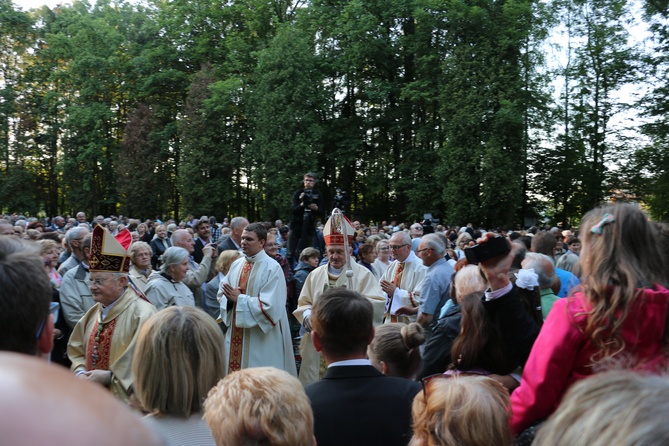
(166, 287)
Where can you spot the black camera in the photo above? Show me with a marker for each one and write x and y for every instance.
(307, 198)
(341, 199)
(494, 247)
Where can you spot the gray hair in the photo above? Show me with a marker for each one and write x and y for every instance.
(179, 235)
(406, 238)
(617, 407)
(468, 280)
(173, 256)
(568, 261)
(463, 237)
(238, 222)
(136, 246)
(435, 243)
(542, 266)
(74, 234)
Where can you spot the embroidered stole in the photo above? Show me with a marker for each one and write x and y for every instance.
(98, 348)
(396, 280)
(237, 333)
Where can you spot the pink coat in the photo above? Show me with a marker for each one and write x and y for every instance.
(562, 354)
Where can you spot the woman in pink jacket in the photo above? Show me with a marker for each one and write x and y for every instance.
(616, 321)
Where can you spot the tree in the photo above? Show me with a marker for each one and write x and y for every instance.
(649, 169)
(286, 110)
(19, 171)
(483, 105)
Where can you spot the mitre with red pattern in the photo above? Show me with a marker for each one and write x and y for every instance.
(332, 231)
(109, 253)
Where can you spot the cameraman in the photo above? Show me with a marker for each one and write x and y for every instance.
(307, 205)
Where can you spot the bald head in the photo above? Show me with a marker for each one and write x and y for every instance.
(45, 404)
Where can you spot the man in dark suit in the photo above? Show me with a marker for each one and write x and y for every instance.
(355, 404)
(203, 230)
(234, 240)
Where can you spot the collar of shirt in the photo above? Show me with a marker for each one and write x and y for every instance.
(349, 362)
(437, 263)
(256, 257)
(105, 310)
(411, 258)
(333, 271)
(491, 295)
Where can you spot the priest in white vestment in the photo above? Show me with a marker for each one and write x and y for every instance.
(332, 275)
(253, 306)
(402, 280)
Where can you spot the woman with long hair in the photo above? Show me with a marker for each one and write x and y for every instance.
(178, 358)
(618, 320)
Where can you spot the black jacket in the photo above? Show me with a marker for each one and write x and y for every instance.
(359, 406)
(437, 349)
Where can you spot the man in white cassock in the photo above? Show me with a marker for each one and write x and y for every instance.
(332, 275)
(402, 280)
(253, 306)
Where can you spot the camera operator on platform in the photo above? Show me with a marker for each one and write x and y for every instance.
(306, 207)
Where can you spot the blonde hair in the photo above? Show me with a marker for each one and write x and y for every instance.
(468, 280)
(377, 247)
(178, 358)
(616, 263)
(464, 237)
(226, 259)
(136, 246)
(46, 245)
(260, 406)
(461, 411)
(621, 408)
(397, 345)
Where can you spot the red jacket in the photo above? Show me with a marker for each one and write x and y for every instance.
(562, 354)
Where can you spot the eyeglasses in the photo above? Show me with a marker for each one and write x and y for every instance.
(421, 250)
(99, 282)
(53, 310)
(271, 245)
(396, 247)
(384, 249)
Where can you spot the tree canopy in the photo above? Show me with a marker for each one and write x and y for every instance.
(450, 107)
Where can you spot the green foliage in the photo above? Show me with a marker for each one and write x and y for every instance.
(412, 106)
(207, 164)
(286, 109)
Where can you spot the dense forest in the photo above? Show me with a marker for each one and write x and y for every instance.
(449, 107)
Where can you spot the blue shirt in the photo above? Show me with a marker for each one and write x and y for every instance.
(434, 291)
(567, 281)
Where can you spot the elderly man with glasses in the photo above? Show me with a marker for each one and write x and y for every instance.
(334, 274)
(402, 280)
(103, 341)
(74, 239)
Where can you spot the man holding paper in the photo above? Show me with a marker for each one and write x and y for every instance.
(402, 280)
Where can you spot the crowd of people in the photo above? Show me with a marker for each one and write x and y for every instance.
(198, 332)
